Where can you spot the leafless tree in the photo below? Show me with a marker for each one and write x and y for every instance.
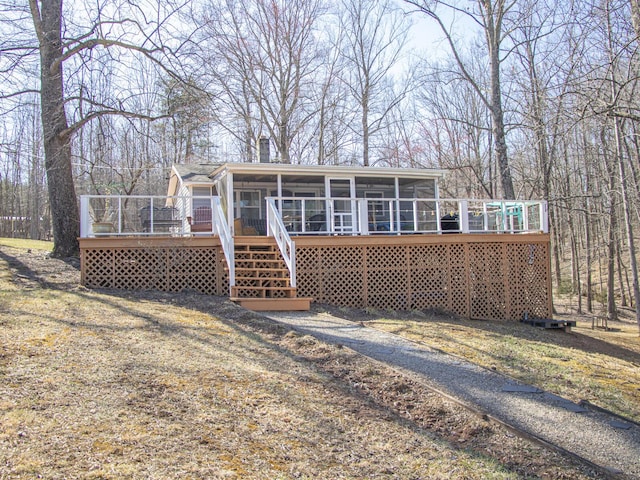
(489, 16)
(331, 97)
(375, 34)
(22, 184)
(621, 159)
(67, 41)
(458, 128)
(188, 108)
(265, 57)
(47, 21)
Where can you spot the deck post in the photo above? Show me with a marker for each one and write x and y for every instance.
(363, 208)
(464, 216)
(119, 229)
(525, 216)
(85, 221)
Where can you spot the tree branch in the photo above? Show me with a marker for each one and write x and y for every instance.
(432, 14)
(93, 115)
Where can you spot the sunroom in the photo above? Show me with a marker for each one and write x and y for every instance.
(332, 200)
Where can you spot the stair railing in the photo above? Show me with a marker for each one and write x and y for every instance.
(221, 228)
(277, 230)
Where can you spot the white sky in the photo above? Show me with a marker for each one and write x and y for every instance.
(426, 39)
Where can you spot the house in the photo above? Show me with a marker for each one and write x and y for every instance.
(276, 236)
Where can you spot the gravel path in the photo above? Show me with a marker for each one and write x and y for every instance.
(600, 438)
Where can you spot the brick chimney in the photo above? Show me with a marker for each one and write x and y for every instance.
(263, 149)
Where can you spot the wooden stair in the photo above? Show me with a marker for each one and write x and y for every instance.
(262, 278)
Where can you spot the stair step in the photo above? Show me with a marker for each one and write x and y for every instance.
(260, 269)
(248, 276)
(254, 253)
(241, 291)
(255, 248)
(260, 266)
(276, 262)
(262, 282)
(262, 279)
(259, 260)
(257, 272)
(274, 304)
(284, 271)
(286, 290)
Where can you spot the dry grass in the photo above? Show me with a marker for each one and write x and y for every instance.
(151, 385)
(602, 367)
(26, 244)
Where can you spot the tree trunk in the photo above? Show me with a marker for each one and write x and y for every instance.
(575, 265)
(612, 313)
(635, 16)
(284, 142)
(557, 242)
(627, 216)
(626, 201)
(57, 148)
(248, 145)
(365, 128)
(35, 189)
(587, 234)
(493, 33)
(621, 268)
(501, 151)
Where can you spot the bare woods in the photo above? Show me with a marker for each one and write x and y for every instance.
(518, 99)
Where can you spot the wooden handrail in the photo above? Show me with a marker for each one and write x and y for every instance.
(277, 230)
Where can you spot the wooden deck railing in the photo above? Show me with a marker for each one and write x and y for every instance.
(277, 230)
(144, 215)
(119, 215)
(367, 216)
(221, 228)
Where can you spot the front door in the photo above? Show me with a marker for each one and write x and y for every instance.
(342, 207)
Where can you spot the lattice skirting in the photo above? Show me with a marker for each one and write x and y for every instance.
(484, 280)
(503, 277)
(154, 266)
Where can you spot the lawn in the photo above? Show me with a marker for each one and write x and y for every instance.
(106, 384)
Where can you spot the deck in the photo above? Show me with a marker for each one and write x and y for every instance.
(479, 276)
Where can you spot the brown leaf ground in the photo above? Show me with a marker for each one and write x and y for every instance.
(152, 385)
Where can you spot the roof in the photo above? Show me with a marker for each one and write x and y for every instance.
(204, 174)
(334, 170)
(196, 173)
(190, 174)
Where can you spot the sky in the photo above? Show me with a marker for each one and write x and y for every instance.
(426, 38)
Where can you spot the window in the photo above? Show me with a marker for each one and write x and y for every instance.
(201, 192)
(248, 204)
